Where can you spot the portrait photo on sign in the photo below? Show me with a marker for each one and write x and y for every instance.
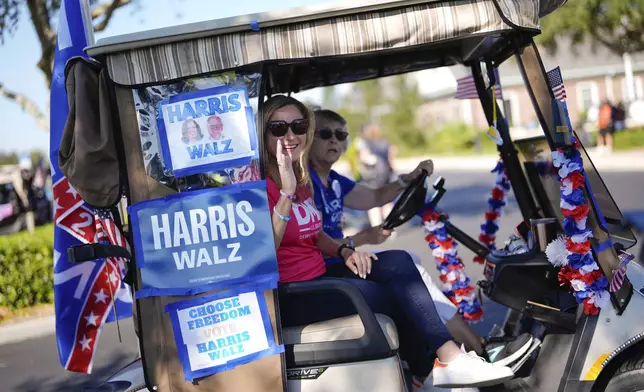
(147, 102)
(207, 130)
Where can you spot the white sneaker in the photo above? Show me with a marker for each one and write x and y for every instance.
(469, 370)
(427, 386)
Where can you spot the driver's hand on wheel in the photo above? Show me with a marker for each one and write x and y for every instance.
(359, 262)
(427, 165)
(375, 235)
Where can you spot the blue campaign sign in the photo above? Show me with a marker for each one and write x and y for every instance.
(207, 130)
(189, 243)
(217, 332)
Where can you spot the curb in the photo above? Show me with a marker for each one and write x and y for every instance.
(24, 330)
(628, 162)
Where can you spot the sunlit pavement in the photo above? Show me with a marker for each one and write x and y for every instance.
(32, 366)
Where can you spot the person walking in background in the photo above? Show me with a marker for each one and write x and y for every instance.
(606, 128)
(375, 155)
(619, 117)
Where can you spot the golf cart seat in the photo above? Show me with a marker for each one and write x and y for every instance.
(337, 329)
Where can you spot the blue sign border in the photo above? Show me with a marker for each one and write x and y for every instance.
(163, 135)
(138, 247)
(182, 350)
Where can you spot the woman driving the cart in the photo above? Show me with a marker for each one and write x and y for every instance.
(389, 281)
(333, 191)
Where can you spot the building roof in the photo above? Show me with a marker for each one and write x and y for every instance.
(584, 61)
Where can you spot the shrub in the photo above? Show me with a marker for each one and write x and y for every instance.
(26, 268)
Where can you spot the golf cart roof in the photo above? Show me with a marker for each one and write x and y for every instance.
(359, 39)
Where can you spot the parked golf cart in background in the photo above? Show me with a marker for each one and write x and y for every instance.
(300, 49)
(21, 208)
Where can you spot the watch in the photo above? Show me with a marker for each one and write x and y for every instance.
(341, 248)
(352, 243)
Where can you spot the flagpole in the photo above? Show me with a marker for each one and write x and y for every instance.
(87, 21)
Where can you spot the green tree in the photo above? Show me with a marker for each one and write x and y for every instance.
(42, 15)
(615, 24)
(400, 124)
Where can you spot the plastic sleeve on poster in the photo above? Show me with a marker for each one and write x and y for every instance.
(263, 283)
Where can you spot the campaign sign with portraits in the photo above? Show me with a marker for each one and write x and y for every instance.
(207, 130)
(210, 239)
(218, 332)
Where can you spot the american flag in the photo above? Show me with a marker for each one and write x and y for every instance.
(556, 84)
(619, 275)
(82, 291)
(466, 89)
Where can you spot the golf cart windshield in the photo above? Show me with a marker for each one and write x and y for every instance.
(536, 160)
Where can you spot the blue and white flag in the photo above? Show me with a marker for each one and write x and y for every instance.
(82, 292)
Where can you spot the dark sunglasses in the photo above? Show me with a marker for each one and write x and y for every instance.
(326, 134)
(280, 128)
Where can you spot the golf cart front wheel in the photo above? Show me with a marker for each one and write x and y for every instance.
(629, 376)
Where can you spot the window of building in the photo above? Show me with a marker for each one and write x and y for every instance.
(587, 95)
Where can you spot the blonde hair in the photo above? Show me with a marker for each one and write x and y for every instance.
(301, 168)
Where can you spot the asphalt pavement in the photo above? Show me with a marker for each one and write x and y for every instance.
(33, 366)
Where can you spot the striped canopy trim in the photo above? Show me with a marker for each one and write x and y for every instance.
(355, 34)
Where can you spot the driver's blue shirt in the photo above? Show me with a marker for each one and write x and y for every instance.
(330, 202)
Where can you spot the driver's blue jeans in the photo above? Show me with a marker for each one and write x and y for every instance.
(394, 288)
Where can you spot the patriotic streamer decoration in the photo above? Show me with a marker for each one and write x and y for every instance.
(456, 285)
(573, 251)
(496, 202)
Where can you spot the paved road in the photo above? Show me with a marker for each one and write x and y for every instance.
(32, 366)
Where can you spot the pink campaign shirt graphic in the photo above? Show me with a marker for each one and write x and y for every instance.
(298, 257)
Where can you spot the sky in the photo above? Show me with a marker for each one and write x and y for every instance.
(21, 52)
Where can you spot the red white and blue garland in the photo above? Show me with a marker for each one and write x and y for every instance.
(573, 251)
(456, 284)
(496, 202)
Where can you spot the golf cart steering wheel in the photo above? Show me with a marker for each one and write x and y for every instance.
(410, 202)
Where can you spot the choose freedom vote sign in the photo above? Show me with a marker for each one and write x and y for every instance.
(215, 333)
(207, 130)
(190, 243)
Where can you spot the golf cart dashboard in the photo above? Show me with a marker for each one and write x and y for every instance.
(536, 159)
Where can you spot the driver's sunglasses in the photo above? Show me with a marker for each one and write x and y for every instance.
(326, 134)
(280, 128)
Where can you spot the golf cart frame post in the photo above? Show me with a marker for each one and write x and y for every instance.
(330, 45)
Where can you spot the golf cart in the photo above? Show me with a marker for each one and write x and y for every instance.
(304, 48)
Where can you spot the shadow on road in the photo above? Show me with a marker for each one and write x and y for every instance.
(77, 382)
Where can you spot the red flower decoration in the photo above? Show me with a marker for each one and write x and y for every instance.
(577, 179)
(491, 215)
(591, 277)
(497, 194)
(590, 308)
(577, 213)
(431, 215)
(574, 247)
(447, 244)
(486, 238)
(473, 316)
(464, 291)
(479, 259)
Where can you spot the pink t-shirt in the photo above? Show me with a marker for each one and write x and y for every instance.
(298, 257)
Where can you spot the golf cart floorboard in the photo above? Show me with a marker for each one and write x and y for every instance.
(545, 373)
